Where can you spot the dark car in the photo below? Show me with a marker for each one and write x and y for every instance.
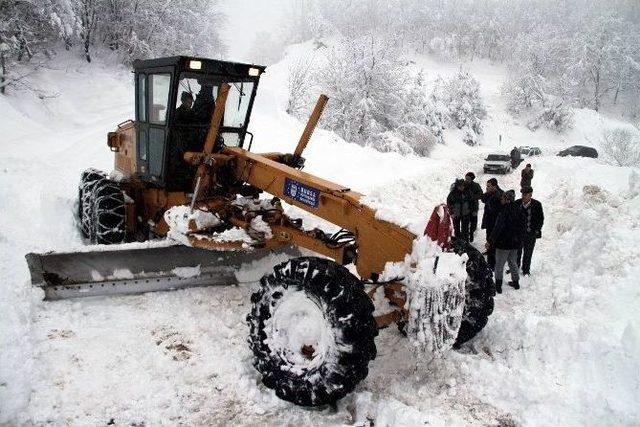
(580, 151)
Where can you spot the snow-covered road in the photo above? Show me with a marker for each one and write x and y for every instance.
(564, 350)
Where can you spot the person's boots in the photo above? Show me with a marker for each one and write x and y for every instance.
(514, 284)
(471, 237)
(499, 286)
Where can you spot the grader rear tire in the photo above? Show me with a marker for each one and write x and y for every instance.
(108, 218)
(480, 290)
(311, 331)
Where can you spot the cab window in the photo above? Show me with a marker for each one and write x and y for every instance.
(142, 96)
(235, 112)
(159, 85)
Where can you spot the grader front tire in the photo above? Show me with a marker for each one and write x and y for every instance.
(108, 215)
(88, 180)
(311, 331)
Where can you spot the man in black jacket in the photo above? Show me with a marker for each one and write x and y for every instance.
(492, 206)
(475, 191)
(515, 158)
(459, 203)
(184, 113)
(533, 221)
(506, 239)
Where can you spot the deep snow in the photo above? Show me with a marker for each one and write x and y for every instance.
(564, 350)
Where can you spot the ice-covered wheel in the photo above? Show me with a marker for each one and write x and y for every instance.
(480, 290)
(311, 331)
(107, 213)
(88, 180)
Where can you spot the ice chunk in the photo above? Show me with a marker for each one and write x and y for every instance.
(186, 272)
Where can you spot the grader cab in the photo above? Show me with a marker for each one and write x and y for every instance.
(184, 180)
(162, 130)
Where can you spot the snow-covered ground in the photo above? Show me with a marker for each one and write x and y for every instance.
(564, 350)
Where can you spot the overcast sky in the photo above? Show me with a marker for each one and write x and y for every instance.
(245, 18)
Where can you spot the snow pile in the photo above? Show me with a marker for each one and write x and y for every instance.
(234, 234)
(183, 223)
(187, 272)
(181, 220)
(258, 225)
(253, 204)
(121, 273)
(386, 413)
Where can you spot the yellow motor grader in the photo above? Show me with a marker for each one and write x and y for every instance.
(186, 181)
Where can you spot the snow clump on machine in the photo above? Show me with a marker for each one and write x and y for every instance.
(179, 219)
(435, 282)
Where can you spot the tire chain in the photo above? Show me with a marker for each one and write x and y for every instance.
(107, 213)
(88, 181)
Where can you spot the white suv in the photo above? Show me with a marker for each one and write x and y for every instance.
(497, 163)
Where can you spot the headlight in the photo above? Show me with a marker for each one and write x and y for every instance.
(254, 72)
(195, 65)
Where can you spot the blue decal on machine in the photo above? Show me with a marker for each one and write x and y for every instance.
(302, 193)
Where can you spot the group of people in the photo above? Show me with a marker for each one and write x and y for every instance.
(512, 226)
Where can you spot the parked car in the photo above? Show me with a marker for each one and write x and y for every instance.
(497, 163)
(524, 150)
(580, 151)
(534, 151)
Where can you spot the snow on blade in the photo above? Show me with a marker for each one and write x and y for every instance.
(187, 272)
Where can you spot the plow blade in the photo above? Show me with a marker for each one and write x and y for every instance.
(134, 271)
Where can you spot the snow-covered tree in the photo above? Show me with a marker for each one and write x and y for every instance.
(374, 99)
(621, 146)
(267, 47)
(460, 95)
(28, 29)
(598, 58)
(585, 53)
(134, 28)
(554, 116)
(299, 83)
(304, 21)
(365, 81)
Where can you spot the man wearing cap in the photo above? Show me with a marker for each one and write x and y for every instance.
(533, 221)
(475, 191)
(526, 176)
(459, 203)
(506, 238)
(492, 206)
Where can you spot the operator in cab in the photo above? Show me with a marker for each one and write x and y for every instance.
(184, 113)
(205, 103)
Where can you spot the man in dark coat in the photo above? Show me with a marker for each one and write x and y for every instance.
(492, 206)
(506, 238)
(515, 157)
(533, 221)
(459, 203)
(526, 176)
(475, 192)
(184, 113)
